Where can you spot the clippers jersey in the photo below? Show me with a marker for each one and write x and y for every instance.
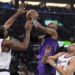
(63, 62)
(5, 58)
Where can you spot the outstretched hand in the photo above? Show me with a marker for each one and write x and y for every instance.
(21, 9)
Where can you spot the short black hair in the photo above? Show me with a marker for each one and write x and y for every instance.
(2, 32)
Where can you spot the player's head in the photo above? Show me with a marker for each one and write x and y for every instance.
(3, 32)
(52, 25)
(71, 48)
(31, 13)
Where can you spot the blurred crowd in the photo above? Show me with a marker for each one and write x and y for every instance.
(24, 62)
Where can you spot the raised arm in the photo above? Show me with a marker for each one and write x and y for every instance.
(11, 20)
(32, 15)
(49, 31)
(17, 44)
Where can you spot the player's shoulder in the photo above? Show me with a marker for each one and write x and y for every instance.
(72, 59)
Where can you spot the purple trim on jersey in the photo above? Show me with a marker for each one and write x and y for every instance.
(41, 67)
(52, 43)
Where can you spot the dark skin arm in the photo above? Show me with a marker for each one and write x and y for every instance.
(11, 20)
(17, 44)
(49, 31)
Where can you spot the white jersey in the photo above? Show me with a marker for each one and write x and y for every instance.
(5, 58)
(63, 62)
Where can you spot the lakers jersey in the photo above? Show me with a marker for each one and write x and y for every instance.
(63, 62)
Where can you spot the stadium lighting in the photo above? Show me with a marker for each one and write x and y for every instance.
(74, 5)
(5, 1)
(32, 3)
(56, 4)
(19, 2)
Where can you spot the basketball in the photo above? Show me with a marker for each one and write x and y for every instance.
(32, 14)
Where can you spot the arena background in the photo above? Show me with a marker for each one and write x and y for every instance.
(61, 12)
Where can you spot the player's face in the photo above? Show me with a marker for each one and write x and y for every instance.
(51, 25)
(71, 47)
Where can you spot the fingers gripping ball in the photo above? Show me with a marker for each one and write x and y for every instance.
(32, 14)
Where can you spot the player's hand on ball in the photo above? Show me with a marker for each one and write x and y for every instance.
(32, 14)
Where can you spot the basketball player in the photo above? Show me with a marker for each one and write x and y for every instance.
(65, 60)
(7, 44)
(50, 39)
